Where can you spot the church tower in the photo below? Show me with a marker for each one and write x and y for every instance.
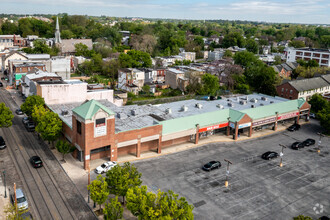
(57, 33)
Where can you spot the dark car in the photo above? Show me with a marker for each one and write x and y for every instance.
(309, 142)
(19, 111)
(294, 127)
(2, 143)
(26, 120)
(36, 161)
(212, 165)
(297, 145)
(269, 155)
(1, 85)
(30, 126)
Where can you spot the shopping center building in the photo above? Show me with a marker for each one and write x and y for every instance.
(100, 129)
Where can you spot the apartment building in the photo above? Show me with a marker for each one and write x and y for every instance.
(321, 56)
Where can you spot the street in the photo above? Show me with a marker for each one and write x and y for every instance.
(50, 192)
(258, 189)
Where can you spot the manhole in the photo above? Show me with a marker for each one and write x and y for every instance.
(198, 204)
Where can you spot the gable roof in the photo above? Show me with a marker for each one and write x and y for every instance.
(13, 52)
(326, 77)
(309, 84)
(68, 45)
(89, 108)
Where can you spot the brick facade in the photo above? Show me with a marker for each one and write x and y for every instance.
(287, 91)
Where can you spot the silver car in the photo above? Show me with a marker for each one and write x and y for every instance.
(21, 199)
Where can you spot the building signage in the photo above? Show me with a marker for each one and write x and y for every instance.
(87, 157)
(100, 127)
(213, 127)
(244, 125)
(290, 115)
(232, 125)
(265, 121)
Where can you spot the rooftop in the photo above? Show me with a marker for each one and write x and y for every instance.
(309, 84)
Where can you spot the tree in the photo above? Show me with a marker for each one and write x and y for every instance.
(121, 178)
(210, 84)
(38, 113)
(317, 102)
(14, 214)
(82, 50)
(49, 126)
(64, 147)
(252, 46)
(113, 210)
(297, 44)
(163, 205)
(6, 116)
(324, 116)
(245, 58)
(278, 60)
(135, 59)
(146, 89)
(145, 43)
(31, 101)
(233, 39)
(99, 190)
(228, 53)
(302, 217)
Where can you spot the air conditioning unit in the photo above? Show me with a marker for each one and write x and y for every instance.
(184, 108)
(271, 102)
(230, 104)
(134, 112)
(168, 111)
(261, 104)
(263, 98)
(121, 115)
(220, 106)
(253, 106)
(64, 112)
(254, 100)
(198, 105)
(242, 102)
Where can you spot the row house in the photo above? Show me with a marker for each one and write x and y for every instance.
(11, 41)
(130, 79)
(321, 56)
(284, 70)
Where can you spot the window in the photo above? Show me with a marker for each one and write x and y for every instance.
(282, 89)
(291, 91)
(79, 127)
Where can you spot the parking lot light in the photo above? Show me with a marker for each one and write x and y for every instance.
(227, 172)
(281, 155)
(319, 142)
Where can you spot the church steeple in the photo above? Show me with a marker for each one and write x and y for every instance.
(57, 33)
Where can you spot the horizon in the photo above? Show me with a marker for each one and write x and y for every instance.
(264, 11)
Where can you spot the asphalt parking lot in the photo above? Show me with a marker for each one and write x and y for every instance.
(258, 189)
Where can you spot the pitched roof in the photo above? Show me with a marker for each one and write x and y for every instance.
(89, 108)
(309, 84)
(68, 45)
(326, 77)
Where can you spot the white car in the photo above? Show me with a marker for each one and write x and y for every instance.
(105, 167)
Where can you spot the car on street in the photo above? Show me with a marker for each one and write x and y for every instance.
(26, 120)
(312, 115)
(19, 111)
(20, 198)
(211, 165)
(105, 167)
(1, 85)
(2, 143)
(36, 161)
(297, 145)
(294, 127)
(269, 155)
(30, 126)
(309, 142)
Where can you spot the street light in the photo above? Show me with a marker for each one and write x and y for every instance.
(4, 181)
(227, 171)
(89, 182)
(281, 154)
(319, 142)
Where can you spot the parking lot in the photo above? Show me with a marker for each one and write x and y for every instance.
(258, 189)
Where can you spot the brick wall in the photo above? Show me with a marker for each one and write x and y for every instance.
(286, 91)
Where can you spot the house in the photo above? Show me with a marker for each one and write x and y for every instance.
(215, 55)
(130, 79)
(175, 79)
(304, 88)
(150, 75)
(191, 56)
(67, 46)
(160, 75)
(284, 70)
(321, 56)
(19, 70)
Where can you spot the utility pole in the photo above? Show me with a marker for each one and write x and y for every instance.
(15, 199)
(89, 182)
(281, 154)
(4, 181)
(227, 172)
(319, 142)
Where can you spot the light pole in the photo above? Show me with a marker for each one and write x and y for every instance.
(281, 154)
(227, 172)
(319, 142)
(89, 182)
(4, 181)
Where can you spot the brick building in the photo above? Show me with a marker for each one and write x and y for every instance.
(100, 129)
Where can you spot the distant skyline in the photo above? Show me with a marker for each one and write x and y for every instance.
(281, 11)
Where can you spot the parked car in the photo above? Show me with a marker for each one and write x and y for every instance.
(312, 115)
(36, 161)
(297, 145)
(105, 167)
(26, 120)
(309, 142)
(269, 155)
(19, 111)
(30, 126)
(1, 85)
(294, 127)
(211, 165)
(21, 200)
(2, 143)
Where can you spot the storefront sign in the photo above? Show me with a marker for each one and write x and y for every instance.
(232, 125)
(290, 115)
(265, 121)
(213, 127)
(100, 127)
(244, 125)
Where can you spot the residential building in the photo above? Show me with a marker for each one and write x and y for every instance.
(191, 56)
(321, 56)
(284, 70)
(130, 80)
(175, 79)
(215, 55)
(304, 88)
(67, 46)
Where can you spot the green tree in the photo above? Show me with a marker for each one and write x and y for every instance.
(64, 147)
(99, 190)
(302, 217)
(252, 46)
(324, 116)
(146, 89)
(317, 102)
(31, 101)
(210, 84)
(163, 205)
(6, 116)
(228, 53)
(278, 60)
(82, 50)
(233, 39)
(297, 44)
(245, 58)
(121, 178)
(135, 59)
(113, 210)
(14, 214)
(38, 113)
(49, 126)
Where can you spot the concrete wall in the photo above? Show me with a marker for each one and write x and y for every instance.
(61, 66)
(100, 94)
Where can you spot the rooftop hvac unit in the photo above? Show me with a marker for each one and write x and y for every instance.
(271, 102)
(168, 111)
(247, 98)
(121, 115)
(198, 105)
(263, 98)
(64, 112)
(220, 106)
(254, 100)
(261, 104)
(134, 112)
(252, 106)
(230, 104)
(184, 108)
(242, 102)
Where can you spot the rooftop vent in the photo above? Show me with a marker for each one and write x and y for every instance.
(134, 112)
(261, 104)
(220, 106)
(242, 102)
(64, 112)
(168, 111)
(253, 106)
(263, 98)
(271, 102)
(254, 100)
(184, 108)
(121, 115)
(230, 104)
(198, 105)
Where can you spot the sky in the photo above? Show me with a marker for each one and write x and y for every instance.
(282, 11)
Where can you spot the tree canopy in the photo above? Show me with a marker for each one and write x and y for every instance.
(113, 210)
(99, 190)
(135, 59)
(6, 116)
(31, 101)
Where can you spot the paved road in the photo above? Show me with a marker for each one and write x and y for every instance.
(50, 192)
(258, 189)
